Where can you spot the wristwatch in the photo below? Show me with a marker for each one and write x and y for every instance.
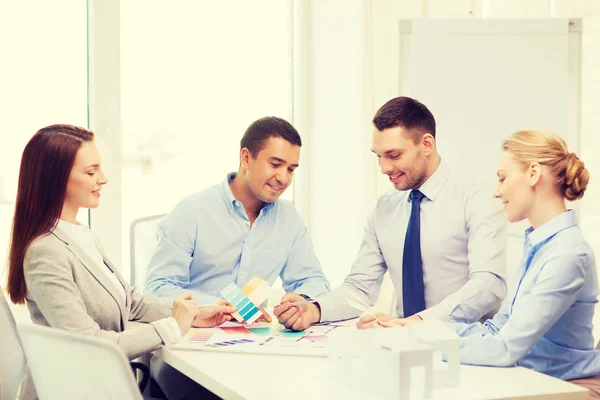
(307, 297)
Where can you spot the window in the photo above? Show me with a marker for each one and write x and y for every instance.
(194, 75)
(43, 78)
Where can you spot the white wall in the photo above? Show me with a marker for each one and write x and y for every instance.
(346, 87)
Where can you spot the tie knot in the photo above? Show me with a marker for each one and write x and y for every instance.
(416, 195)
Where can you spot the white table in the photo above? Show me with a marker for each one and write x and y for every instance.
(259, 377)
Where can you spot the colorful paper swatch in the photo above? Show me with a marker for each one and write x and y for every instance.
(257, 290)
(262, 331)
(246, 309)
(292, 333)
(236, 330)
(230, 343)
(199, 335)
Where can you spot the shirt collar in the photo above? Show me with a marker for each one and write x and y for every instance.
(73, 229)
(551, 228)
(432, 186)
(231, 202)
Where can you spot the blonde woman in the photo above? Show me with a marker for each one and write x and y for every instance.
(59, 269)
(546, 322)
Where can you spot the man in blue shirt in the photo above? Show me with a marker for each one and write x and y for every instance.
(240, 228)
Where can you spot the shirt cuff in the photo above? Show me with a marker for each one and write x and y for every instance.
(312, 290)
(453, 326)
(332, 308)
(168, 330)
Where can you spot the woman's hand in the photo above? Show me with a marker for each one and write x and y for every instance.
(415, 319)
(185, 310)
(209, 316)
(373, 320)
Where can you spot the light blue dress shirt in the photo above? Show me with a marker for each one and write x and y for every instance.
(463, 242)
(207, 242)
(546, 323)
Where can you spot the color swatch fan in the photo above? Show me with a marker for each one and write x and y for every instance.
(255, 292)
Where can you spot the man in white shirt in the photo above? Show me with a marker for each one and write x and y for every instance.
(442, 238)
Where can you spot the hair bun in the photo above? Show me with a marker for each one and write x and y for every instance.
(576, 177)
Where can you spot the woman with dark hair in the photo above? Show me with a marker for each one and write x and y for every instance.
(58, 267)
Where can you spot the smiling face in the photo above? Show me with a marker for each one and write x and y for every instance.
(515, 187)
(400, 158)
(270, 173)
(85, 179)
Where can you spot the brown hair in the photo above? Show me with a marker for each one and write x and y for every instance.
(551, 150)
(407, 113)
(256, 136)
(45, 168)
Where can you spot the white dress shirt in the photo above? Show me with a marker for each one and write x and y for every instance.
(463, 241)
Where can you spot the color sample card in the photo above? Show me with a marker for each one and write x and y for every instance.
(262, 331)
(236, 330)
(257, 290)
(246, 309)
(201, 336)
(230, 343)
(294, 334)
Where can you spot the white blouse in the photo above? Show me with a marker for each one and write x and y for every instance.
(84, 238)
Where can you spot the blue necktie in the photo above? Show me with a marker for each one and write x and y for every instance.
(413, 289)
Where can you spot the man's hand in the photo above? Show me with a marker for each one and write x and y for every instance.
(370, 321)
(296, 317)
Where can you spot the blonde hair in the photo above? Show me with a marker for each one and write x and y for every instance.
(550, 150)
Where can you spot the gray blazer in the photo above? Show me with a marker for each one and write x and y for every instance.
(66, 289)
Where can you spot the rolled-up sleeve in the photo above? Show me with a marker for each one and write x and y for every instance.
(558, 286)
(486, 287)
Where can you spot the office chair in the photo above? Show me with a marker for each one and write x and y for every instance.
(66, 365)
(12, 359)
(142, 241)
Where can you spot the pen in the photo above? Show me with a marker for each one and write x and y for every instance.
(299, 303)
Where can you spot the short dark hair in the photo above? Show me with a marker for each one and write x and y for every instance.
(407, 113)
(256, 136)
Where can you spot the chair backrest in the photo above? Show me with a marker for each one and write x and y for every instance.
(142, 242)
(67, 365)
(12, 359)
